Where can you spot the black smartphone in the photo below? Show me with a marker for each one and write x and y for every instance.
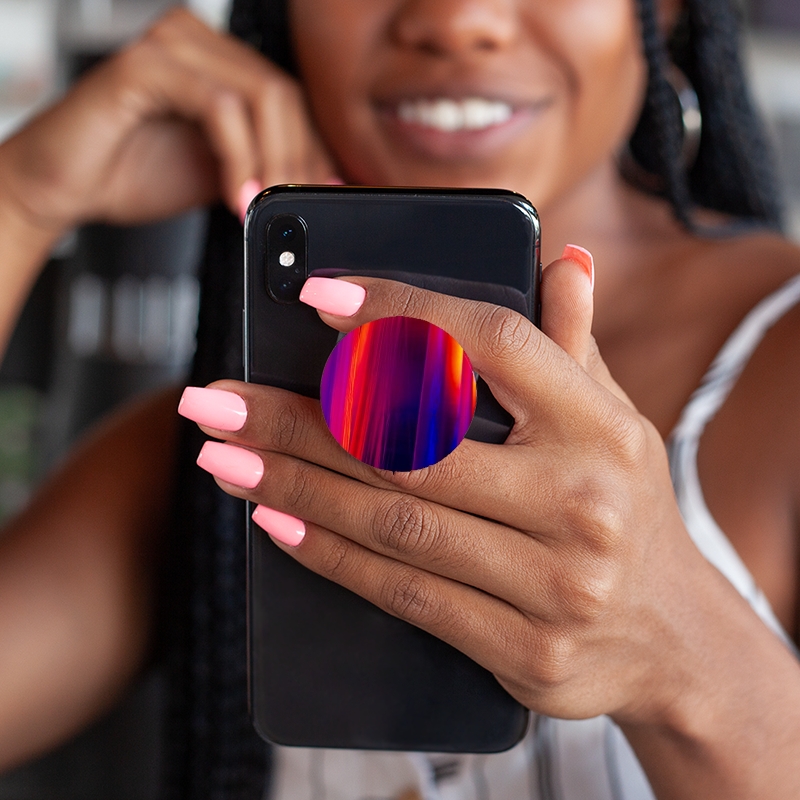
(327, 668)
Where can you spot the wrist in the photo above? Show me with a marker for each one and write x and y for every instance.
(25, 244)
(724, 720)
(23, 235)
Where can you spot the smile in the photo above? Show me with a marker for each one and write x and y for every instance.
(449, 116)
(458, 129)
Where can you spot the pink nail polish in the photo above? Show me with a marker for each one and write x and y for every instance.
(249, 190)
(580, 255)
(216, 408)
(232, 464)
(334, 296)
(280, 526)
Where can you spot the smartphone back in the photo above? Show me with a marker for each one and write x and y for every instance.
(327, 668)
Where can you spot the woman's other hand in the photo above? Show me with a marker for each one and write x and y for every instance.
(179, 118)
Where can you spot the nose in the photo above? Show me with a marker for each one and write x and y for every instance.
(450, 27)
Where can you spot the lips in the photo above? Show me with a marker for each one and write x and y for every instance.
(462, 127)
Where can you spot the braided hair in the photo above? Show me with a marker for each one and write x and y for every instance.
(211, 748)
(733, 172)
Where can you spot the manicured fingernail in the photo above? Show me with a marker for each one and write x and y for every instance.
(280, 526)
(580, 255)
(216, 408)
(232, 464)
(334, 180)
(334, 296)
(249, 190)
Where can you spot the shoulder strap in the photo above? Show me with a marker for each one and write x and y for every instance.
(726, 368)
(684, 441)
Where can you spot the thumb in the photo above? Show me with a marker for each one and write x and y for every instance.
(567, 310)
(568, 304)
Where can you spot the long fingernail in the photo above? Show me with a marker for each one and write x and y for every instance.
(580, 255)
(280, 526)
(250, 188)
(216, 408)
(334, 296)
(232, 464)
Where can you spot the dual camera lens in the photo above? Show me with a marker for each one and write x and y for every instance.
(287, 241)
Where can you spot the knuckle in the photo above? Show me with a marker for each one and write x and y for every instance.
(408, 300)
(406, 525)
(551, 664)
(131, 60)
(299, 490)
(594, 361)
(412, 598)
(506, 333)
(274, 93)
(628, 438)
(167, 27)
(594, 514)
(224, 101)
(289, 427)
(588, 592)
(131, 72)
(334, 559)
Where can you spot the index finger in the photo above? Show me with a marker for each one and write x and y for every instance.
(519, 363)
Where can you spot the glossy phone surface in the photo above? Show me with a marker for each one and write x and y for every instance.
(327, 668)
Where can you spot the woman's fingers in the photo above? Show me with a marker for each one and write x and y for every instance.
(515, 485)
(567, 311)
(490, 631)
(567, 302)
(501, 561)
(179, 118)
(285, 145)
(167, 87)
(531, 376)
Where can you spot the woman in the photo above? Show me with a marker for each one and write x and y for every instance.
(562, 561)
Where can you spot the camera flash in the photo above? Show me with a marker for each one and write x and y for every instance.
(286, 258)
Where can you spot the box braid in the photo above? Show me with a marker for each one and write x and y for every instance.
(733, 172)
(211, 750)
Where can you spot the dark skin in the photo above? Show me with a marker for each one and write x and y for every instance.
(633, 622)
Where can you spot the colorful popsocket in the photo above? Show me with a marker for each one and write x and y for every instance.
(398, 393)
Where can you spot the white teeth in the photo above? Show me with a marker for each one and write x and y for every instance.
(448, 115)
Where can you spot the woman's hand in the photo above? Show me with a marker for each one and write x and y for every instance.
(550, 559)
(180, 117)
(557, 560)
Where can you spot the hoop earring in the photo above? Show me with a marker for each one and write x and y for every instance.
(691, 120)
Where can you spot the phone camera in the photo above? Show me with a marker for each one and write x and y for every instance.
(286, 257)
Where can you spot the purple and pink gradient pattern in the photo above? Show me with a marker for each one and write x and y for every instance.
(398, 393)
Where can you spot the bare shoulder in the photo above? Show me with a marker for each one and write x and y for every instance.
(759, 267)
(756, 263)
(749, 459)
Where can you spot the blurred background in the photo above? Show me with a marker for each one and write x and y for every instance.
(114, 313)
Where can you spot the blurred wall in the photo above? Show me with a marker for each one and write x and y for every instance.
(113, 314)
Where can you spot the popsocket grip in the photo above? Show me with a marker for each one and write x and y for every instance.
(398, 393)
